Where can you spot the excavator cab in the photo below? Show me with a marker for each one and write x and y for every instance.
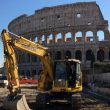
(67, 76)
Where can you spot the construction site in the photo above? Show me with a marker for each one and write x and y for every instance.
(57, 59)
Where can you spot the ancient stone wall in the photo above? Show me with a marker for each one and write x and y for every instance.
(68, 30)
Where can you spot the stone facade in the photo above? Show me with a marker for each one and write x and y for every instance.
(71, 30)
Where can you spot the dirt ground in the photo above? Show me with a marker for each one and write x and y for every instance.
(88, 103)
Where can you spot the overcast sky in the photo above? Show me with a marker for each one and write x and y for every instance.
(10, 9)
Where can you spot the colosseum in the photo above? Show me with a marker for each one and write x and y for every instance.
(76, 30)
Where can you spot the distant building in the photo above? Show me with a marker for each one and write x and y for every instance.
(76, 30)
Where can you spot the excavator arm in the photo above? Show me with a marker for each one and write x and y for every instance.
(11, 41)
(11, 64)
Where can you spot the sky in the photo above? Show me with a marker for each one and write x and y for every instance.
(10, 9)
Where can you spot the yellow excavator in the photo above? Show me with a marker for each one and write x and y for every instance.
(59, 80)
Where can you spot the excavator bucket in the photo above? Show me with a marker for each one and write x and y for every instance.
(17, 103)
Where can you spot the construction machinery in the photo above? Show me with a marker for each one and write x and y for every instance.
(59, 80)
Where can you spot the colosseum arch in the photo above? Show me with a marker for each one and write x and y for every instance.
(68, 54)
(58, 55)
(43, 39)
(68, 36)
(50, 39)
(89, 36)
(100, 35)
(33, 58)
(78, 54)
(28, 74)
(34, 73)
(20, 58)
(90, 57)
(100, 55)
(23, 58)
(36, 39)
(59, 38)
(22, 73)
(28, 58)
(78, 36)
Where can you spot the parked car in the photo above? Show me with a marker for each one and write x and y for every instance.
(3, 81)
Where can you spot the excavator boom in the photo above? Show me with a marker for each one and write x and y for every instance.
(11, 64)
(12, 41)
